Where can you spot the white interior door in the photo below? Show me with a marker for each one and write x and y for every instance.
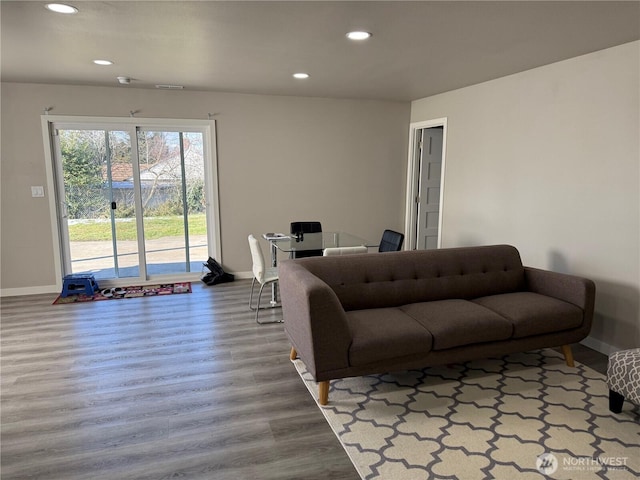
(429, 186)
(425, 184)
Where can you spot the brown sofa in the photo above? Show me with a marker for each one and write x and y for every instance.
(381, 312)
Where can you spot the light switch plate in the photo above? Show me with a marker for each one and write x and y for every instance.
(37, 191)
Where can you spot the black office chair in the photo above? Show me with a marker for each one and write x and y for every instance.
(298, 228)
(306, 227)
(391, 241)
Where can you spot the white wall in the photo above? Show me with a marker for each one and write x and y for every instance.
(548, 160)
(279, 159)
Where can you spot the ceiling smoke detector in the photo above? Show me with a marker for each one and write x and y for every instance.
(124, 80)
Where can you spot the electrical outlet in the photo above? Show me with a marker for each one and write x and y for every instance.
(37, 192)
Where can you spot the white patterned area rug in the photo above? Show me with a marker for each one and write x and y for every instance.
(524, 416)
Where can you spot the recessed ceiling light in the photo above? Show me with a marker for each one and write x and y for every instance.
(62, 8)
(358, 35)
(103, 62)
(301, 75)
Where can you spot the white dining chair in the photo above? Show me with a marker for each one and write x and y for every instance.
(331, 251)
(262, 275)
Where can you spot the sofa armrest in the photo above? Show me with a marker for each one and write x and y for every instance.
(570, 288)
(314, 320)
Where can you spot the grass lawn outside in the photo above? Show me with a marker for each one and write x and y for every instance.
(154, 227)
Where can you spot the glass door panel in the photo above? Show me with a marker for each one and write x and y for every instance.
(195, 200)
(123, 205)
(96, 174)
(172, 186)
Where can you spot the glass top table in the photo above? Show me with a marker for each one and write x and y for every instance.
(313, 241)
(309, 241)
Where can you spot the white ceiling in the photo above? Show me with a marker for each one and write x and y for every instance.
(418, 48)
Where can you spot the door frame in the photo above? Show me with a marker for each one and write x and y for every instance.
(413, 179)
(208, 128)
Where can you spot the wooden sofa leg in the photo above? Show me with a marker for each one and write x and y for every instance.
(323, 392)
(568, 355)
(293, 355)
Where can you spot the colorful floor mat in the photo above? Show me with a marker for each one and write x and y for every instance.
(128, 292)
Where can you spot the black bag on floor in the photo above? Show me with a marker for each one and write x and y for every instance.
(216, 273)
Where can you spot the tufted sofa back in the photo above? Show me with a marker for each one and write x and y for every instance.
(378, 280)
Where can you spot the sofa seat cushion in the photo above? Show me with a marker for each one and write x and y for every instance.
(384, 333)
(532, 313)
(454, 323)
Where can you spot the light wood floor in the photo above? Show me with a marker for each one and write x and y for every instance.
(184, 386)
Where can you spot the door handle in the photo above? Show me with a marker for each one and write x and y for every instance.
(113, 205)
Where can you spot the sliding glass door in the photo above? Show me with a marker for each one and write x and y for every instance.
(132, 200)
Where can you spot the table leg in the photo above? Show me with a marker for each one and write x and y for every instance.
(274, 285)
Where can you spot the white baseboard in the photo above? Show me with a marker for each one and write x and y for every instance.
(600, 346)
(243, 275)
(17, 292)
